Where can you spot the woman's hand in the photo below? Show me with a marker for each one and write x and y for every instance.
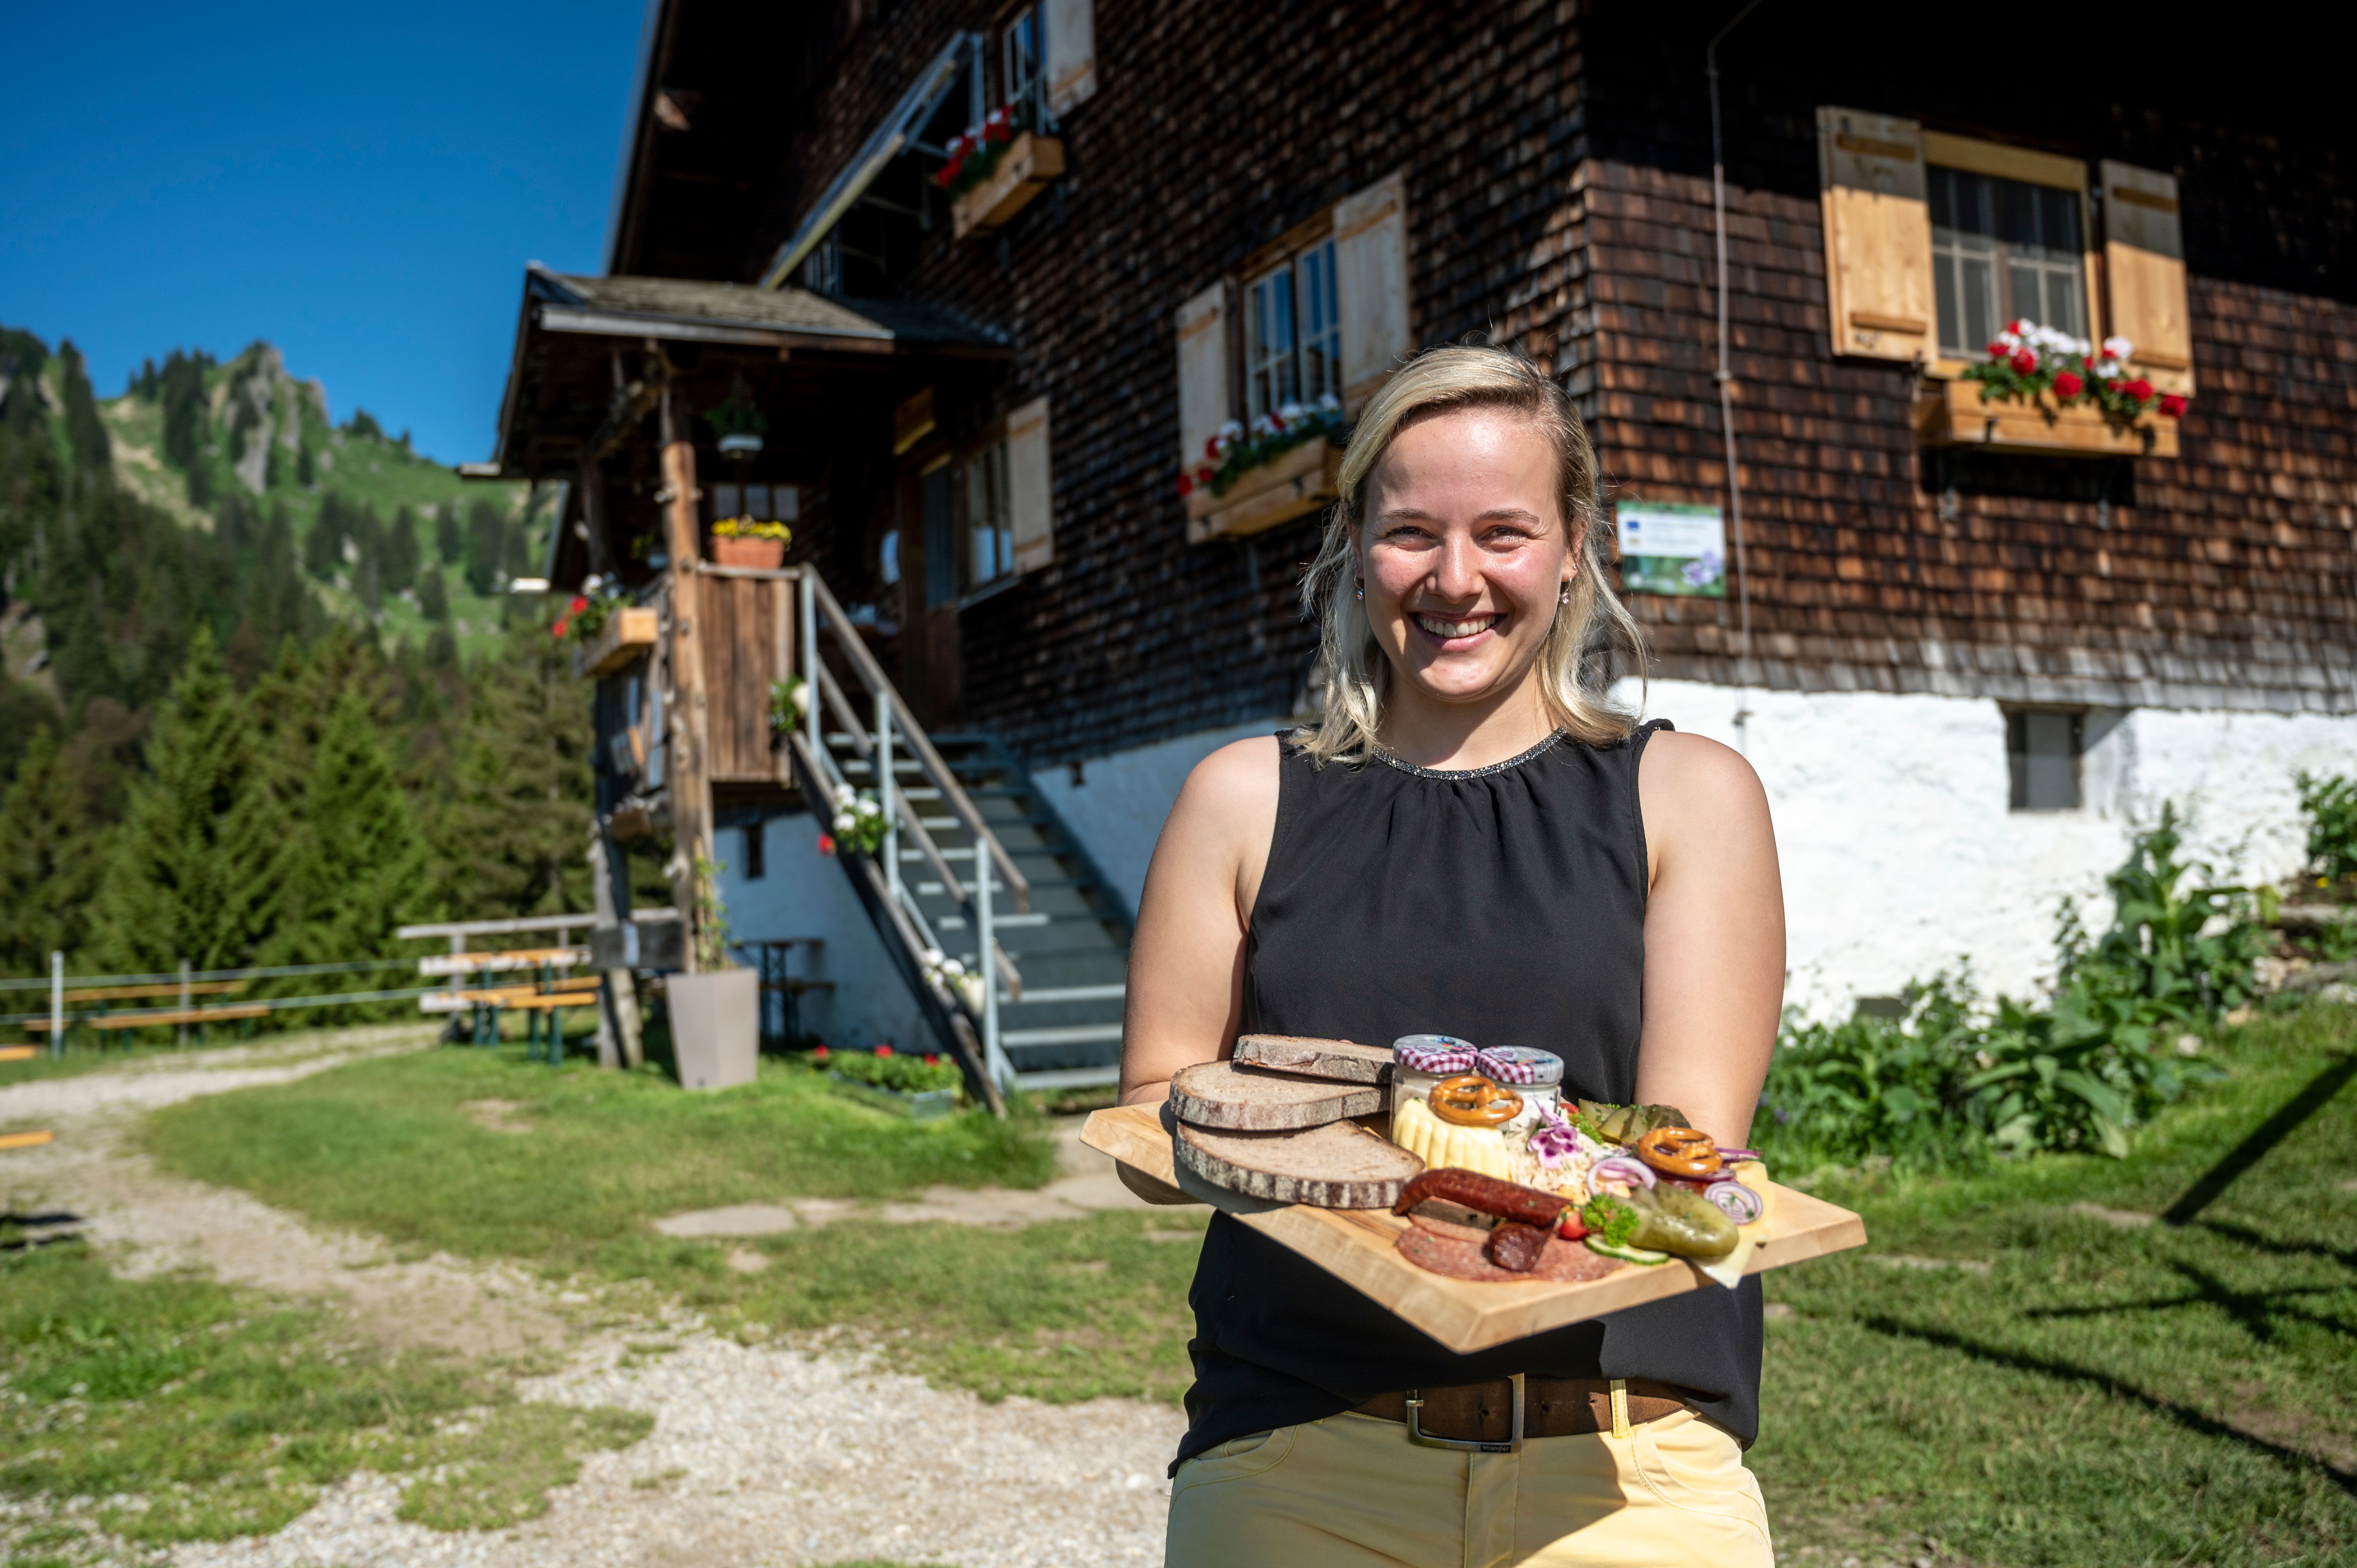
(1713, 935)
(1186, 960)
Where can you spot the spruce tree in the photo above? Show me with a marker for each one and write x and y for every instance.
(323, 547)
(306, 467)
(509, 823)
(361, 860)
(449, 542)
(200, 865)
(487, 546)
(50, 858)
(402, 553)
(84, 430)
(433, 595)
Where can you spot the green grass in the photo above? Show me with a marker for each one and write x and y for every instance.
(2102, 1394)
(1055, 1312)
(188, 1411)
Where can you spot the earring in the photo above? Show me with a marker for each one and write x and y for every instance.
(1361, 593)
(1564, 597)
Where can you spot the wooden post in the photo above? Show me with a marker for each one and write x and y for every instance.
(184, 1001)
(690, 786)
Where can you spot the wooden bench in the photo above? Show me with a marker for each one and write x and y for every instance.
(27, 1139)
(492, 962)
(168, 988)
(17, 1053)
(529, 1000)
(199, 1017)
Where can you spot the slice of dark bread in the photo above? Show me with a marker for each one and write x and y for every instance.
(1221, 1094)
(1338, 1166)
(1346, 1061)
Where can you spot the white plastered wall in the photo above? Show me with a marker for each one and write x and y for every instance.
(1899, 854)
(805, 893)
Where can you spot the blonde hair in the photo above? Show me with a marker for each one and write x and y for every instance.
(1357, 672)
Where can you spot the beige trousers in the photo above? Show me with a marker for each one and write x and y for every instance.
(1353, 1491)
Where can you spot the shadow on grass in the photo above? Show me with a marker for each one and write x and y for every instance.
(2346, 1257)
(2253, 1149)
(2254, 1309)
(2185, 1416)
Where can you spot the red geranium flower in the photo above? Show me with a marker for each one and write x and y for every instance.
(2172, 405)
(826, 844)
(883, 1050)
(557, 630)
(820, 1053)
(2066, 385)
(932, 1060)
(577, 605)
(1186, 484)
(2140, 390)
(2024, 361)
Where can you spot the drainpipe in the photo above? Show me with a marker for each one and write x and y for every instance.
(1726, 377)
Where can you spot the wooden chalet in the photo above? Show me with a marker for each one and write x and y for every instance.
(1968, 644)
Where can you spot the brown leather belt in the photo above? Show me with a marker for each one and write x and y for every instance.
(1493, 1418)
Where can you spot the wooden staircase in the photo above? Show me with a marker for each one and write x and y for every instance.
(974, 861)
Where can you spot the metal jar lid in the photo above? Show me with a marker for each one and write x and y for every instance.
(1445, 1056)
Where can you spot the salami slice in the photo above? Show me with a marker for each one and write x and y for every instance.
(1457, 1252)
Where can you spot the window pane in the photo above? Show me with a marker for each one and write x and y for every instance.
(1964, 281)
(2042, 760)
(1321, 327)
(989, 550)
(1272, 373)
(1021, 65)
(724, 502)
(757, 502)
(941, 539)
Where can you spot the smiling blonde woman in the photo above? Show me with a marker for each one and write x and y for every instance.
(1472, 841)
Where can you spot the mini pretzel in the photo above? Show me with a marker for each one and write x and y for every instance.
(1679, 1151)
(1471, 1101)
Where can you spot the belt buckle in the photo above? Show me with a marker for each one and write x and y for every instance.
(1416, 1434)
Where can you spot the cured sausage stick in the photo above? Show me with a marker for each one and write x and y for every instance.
(1483, 1194)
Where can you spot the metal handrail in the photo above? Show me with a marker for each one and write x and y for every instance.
(872, 675)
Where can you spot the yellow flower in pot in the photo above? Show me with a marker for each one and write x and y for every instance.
(741, 541)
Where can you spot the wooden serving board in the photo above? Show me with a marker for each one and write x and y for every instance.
(1358, 1245)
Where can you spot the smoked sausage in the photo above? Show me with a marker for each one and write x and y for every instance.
(1483, 1194)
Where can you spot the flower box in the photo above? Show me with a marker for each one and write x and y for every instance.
(628, 633)
(921, 1105)
(1300, 479)
(1031, 162)
(761, 555)
(1951, 413)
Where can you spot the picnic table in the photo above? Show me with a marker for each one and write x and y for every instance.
(546, 997)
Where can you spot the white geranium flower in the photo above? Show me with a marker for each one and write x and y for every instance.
(2118, 348)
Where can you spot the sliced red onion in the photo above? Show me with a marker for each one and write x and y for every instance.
(1624, 1168)
(1731, 1156)
(1735, 1200)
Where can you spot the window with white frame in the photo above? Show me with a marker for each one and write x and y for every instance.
(2003, 250)
(1293, 333)
(1021, 56)
(989, 519)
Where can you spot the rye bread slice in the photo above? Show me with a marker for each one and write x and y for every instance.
(1344, 1060)
(1220, 1094)
(1338, 1166)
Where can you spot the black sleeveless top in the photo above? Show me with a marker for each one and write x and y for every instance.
(1504, 906)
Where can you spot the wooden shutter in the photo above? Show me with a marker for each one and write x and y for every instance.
(1370, 288)
(1203, 371)
(1071, 50)
(1878, 236)
(2144, 271)
(1031, 490)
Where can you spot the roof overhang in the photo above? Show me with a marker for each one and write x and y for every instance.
(899, 134)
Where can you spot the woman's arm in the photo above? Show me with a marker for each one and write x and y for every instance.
(1713, 935)
(1187, 959)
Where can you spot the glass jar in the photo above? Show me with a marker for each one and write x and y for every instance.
(1536, 1075)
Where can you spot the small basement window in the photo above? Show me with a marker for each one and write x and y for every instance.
(2042, 748)
(755, 863)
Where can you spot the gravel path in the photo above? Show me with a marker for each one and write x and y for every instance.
(759, 1456)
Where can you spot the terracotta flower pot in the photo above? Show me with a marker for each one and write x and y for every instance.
(762, 554)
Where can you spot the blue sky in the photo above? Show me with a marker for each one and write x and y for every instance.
(361, 186)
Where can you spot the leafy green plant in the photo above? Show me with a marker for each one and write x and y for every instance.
(1949, 1081)
(2331, 806)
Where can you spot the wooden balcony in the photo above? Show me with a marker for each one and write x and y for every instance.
(1951, 413)
(1301, 480)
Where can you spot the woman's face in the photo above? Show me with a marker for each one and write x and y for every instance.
(1464, 552)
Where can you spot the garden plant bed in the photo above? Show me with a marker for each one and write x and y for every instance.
(1952, 413)
(919, 1105)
